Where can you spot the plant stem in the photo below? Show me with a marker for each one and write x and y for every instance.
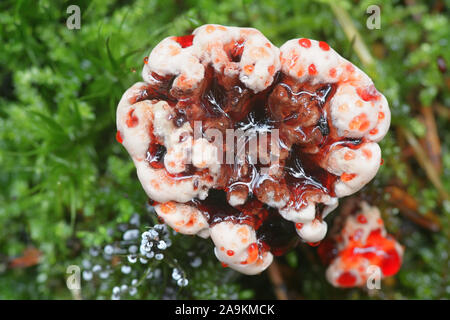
(353, 35)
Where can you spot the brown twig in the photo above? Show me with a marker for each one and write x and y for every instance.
(352, 34)
(442, 111)
(277, 280)
(425, 163)
(409, 207)
(432, 142)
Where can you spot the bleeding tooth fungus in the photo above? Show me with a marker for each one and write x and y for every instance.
(322, 116)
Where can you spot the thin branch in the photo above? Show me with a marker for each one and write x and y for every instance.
(409, 208)
(425, 163)
(277, 281)
(432, 142)
(353, 35)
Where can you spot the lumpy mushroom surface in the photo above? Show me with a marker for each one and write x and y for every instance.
(362, 251)
(250, 144)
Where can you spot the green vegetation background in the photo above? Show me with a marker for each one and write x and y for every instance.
(65, 183)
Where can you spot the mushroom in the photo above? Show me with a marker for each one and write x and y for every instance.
(250, 144)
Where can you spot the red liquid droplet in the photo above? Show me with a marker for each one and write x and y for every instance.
(324, 46)
(132, 120)
(368, 94)
(391, 263)
(361, 218)
(312, 69)
(346, 280)
(185, 41)
(314, 244)
(119, 137)
(306, 43)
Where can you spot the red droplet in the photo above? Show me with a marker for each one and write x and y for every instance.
(327, 251)
(312, 69)
(306, 43)
(332, 72)
(373, 131)
(132, 120)
(299, 225)
(375, 236)
(314, 244)
(145, 60)
(224, 264)
(346, 280)
(324, 46)
(185, 41)
(361, 218)
(350, 68)
(230, 252)
(119, 137)
(368, 94)
(382, 161)
(253, 252)
(391, 263)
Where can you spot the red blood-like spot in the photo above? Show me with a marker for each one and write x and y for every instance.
(381, 162)
(361, 218)
(391, 263)
(224, 264)
(375, 236)
(324, 46)
(373, 131)
(252, 251)
(145, 60)
(314, 244)
(230, 253)
(347, 176)
(346, 280)
(327, 251)
(312, 69)
(155, 155)
(299, 225)
(119, 137)
(350, 68)
(306, 43)
(368, 93)
(185, 41)
(332, 72)
(238, 49)
(132, 120)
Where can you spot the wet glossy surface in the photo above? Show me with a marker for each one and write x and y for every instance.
(298, 110)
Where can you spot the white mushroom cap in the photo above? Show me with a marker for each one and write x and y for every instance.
(355, 167)
(313, 231)
(256, 68)
(183, 218)
(236, 246)
(355, 236)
